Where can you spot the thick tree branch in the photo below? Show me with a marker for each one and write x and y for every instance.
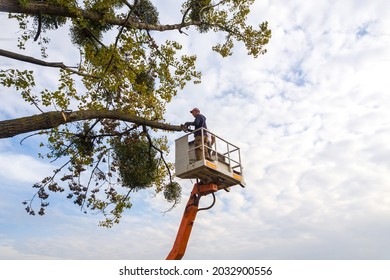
(10, 128)
(35, 8)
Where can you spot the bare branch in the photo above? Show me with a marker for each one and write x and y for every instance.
(39, 27)
(39, 62)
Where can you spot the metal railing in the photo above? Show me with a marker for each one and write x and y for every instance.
(218, 149)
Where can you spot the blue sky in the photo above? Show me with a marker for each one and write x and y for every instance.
(311, 118)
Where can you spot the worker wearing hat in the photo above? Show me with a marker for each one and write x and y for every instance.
(200, 121)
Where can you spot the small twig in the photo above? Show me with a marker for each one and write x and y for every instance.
(159, 150)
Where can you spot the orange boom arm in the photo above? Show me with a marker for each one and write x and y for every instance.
(188, 219)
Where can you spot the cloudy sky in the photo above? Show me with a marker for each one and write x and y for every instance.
(311, 118)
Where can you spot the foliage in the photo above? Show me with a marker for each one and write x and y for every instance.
(172, 192)
(197, 8)
(122, 67)
(146, 12)
(136, 161)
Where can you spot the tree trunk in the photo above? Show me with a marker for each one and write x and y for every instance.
(10, 128)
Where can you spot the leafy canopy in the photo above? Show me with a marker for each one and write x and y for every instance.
(102, 161)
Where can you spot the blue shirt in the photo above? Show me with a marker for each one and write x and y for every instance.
(200, 121)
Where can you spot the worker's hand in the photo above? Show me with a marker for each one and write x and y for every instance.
(184, 127)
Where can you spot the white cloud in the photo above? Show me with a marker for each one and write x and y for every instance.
(22, 168)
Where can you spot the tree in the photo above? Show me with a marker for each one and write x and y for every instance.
(101, 121)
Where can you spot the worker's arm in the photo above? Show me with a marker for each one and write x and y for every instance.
(197, 122)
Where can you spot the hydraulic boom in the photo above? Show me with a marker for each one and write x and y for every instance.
(189, 215)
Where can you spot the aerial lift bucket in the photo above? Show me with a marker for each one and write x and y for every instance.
(220, 162)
